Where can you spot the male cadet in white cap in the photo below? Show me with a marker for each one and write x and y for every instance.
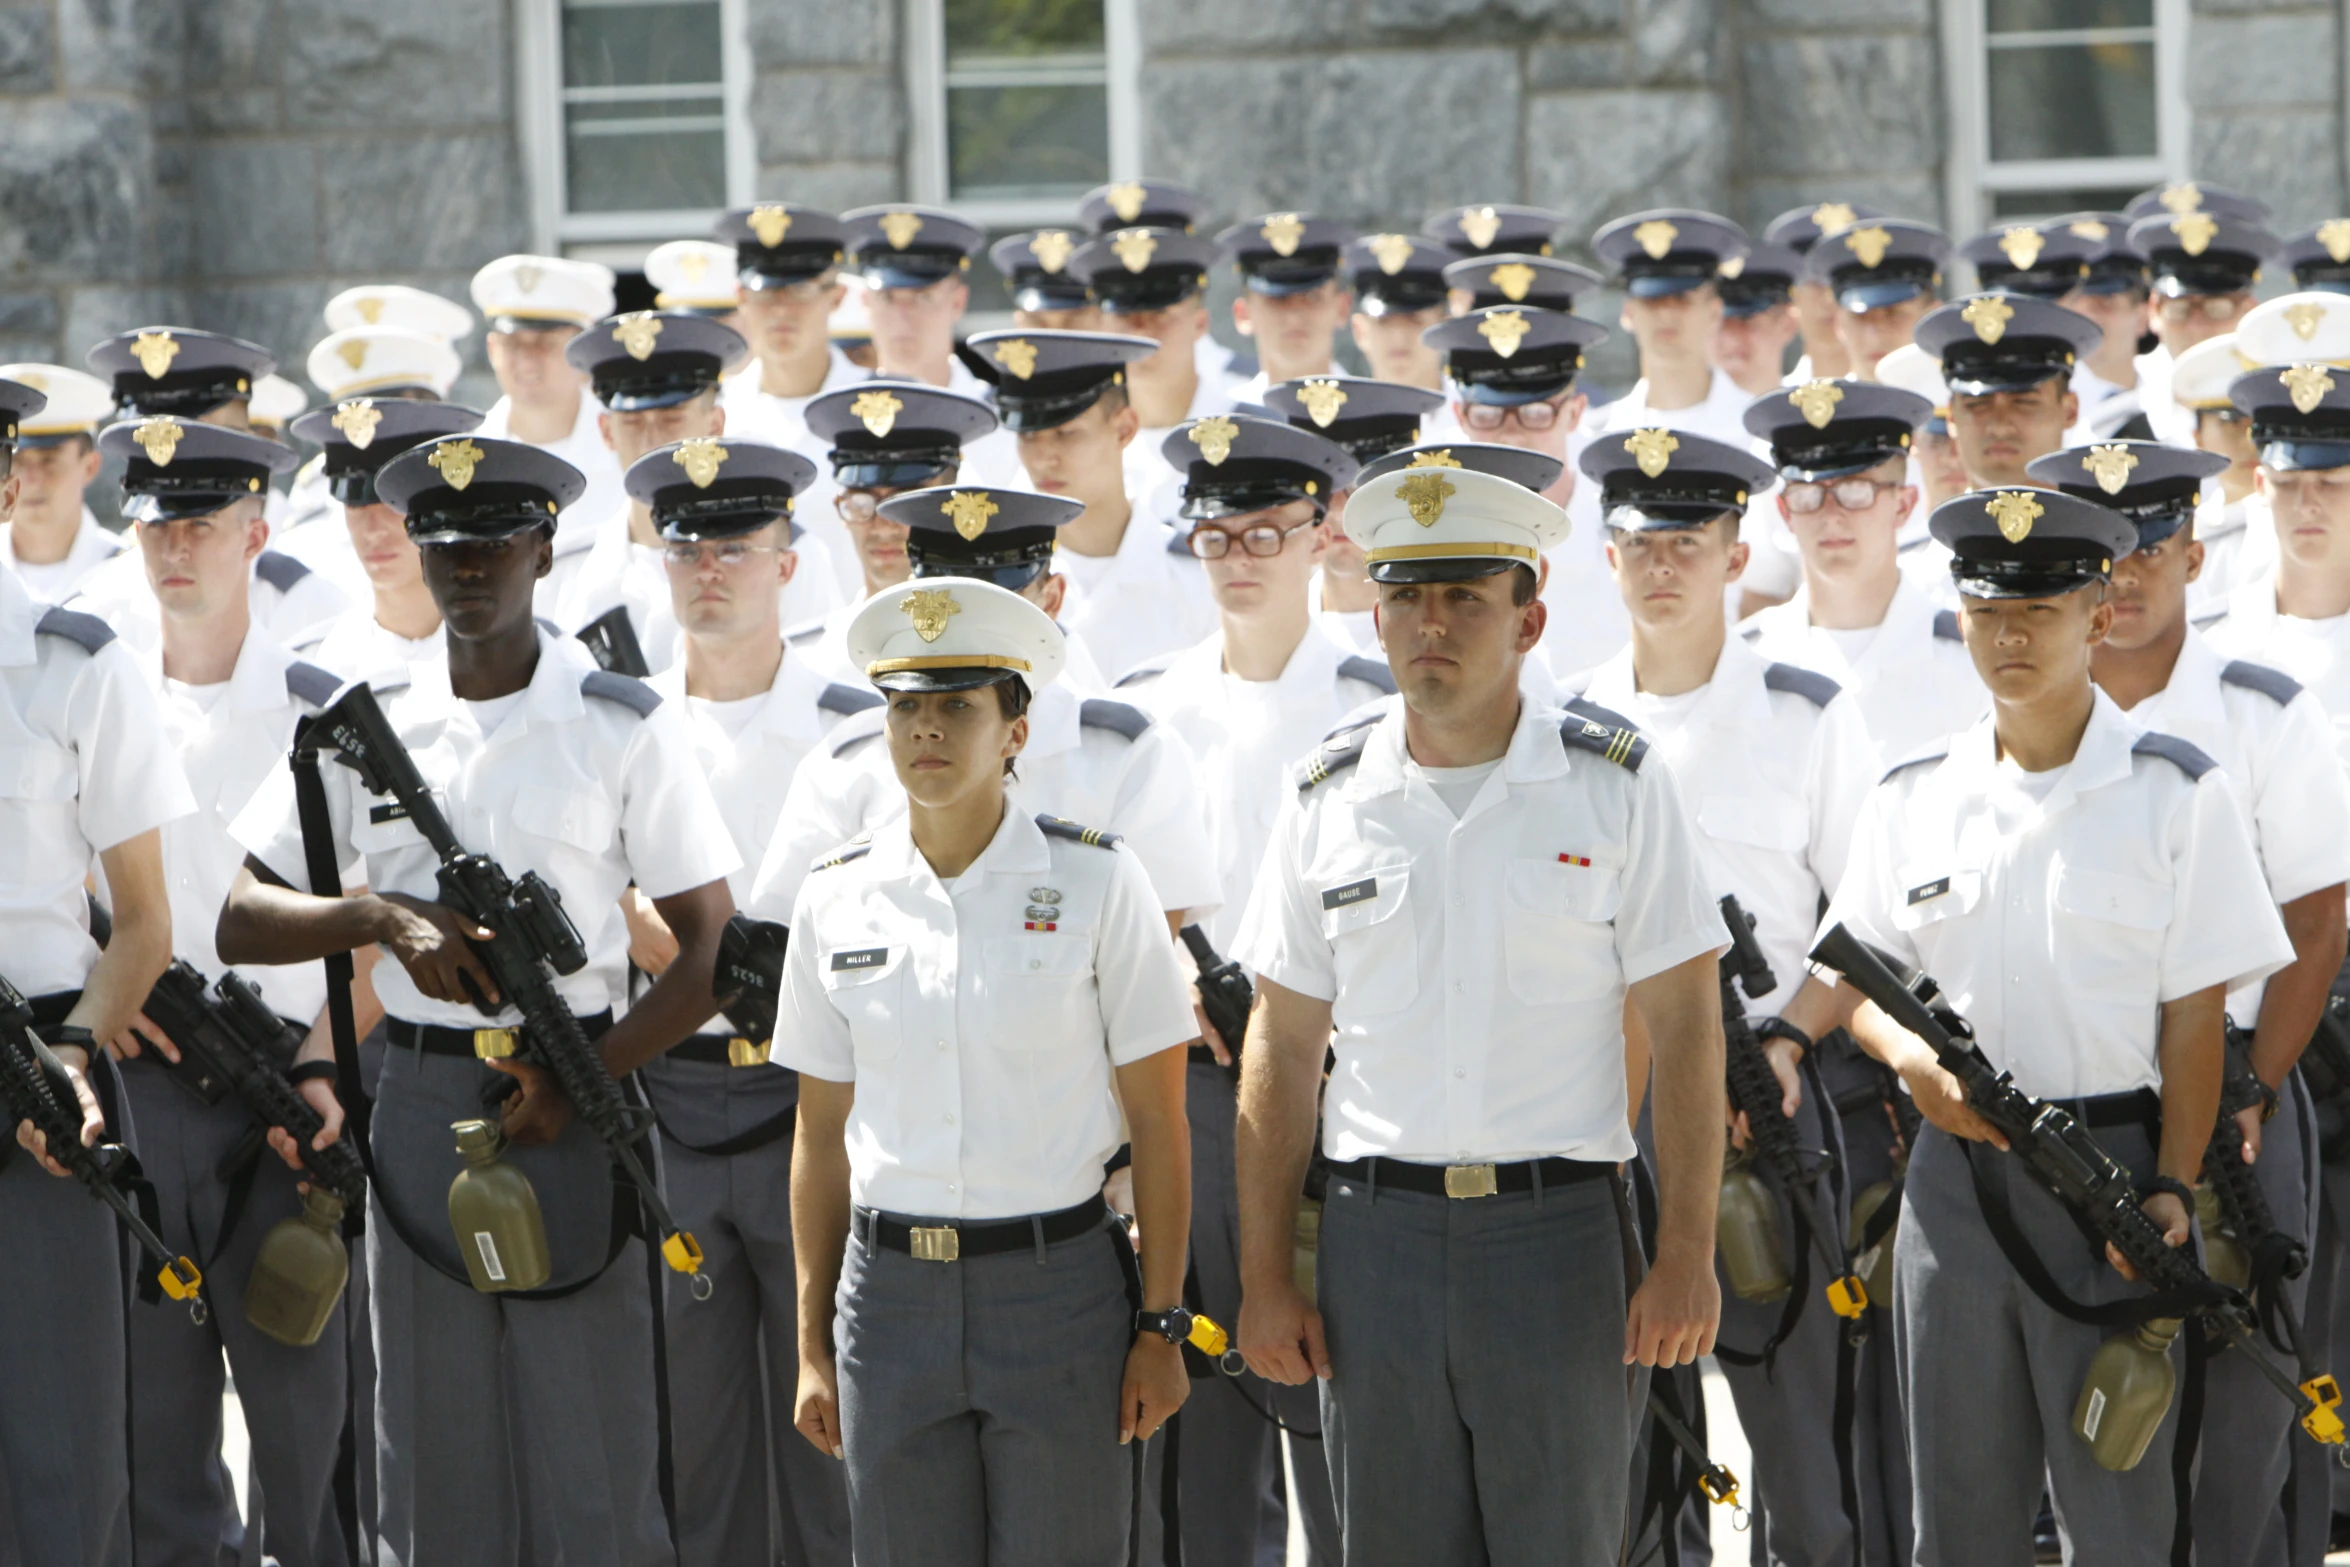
(1463, 895)
(2008, 359)
(1816, 305)
(1152, 282)
(1399, 293)
(1758, 316)
(723, 508)
(786, 268)
(585, 779)
(1886, 273)
(1666, 262)
(2085, 892)
(2205, 247)
(2271, 739)
(1294, 299)
(913, 260)
(49, 535)
(107, 781)
(535, 306)
(1131, 596)
(2233, 517)
(696, 276)
(231, 697)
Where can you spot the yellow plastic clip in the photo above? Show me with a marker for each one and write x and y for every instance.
(180, 1279)
(1720, 1485)
(1209, 1339)
(1848, 1297)
(2324, 1422)
(683, 1253)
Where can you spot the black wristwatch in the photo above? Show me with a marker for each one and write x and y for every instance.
(71, 1034)
(1173, 1324)
(2166, 1183)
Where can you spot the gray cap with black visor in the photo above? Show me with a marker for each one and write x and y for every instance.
(1146, 203)
(717, 487)
(2154, 485)
(896, 435)
(1672, 250)
(1142, 269)
(2029, 543)
(1035, 269)
(1001, 536)
(2202, 252)
(1369, 418)
(1832, 429)
(1800, 228)
(910, 247)
(472, 488)
(1753, 283)
(1659, 478)
(1989, 343)
(654, 358)
(1488, 227)
(778, 243)
(18, 402)
(1044, 379)
(1515, 278)
(1876, 262)
(1285, 253)
(359, 435)
(1233, 464)
(1396, 274)
(178, 371)
(1507, 355)
(176, 467)
(2044, 260)
(2300, 415)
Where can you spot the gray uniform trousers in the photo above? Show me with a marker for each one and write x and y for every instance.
(979, 1405)
(1475, 1345)
(727, 1422)
(1306, 1483)
(2245, 1454)
(501, 1420)
(2321, 1486)
(183, 1500)
(1989, 1375)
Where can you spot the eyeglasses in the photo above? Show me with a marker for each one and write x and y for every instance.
(1260, 539)
(731, 553)
(800, 291)
(2211, 307)
(860, 505)
(1854, 494)
(1484, 417)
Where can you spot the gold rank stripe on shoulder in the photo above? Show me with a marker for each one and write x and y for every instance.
(1091, 837)
(1590, 727)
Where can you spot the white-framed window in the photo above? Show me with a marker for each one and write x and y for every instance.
(635, 120)
(2062, 105)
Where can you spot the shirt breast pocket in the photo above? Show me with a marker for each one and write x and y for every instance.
(1931, 895)
(1558, 929)
(1765, 820)
(377, 830)
(2109, 932)
(1040, 990)
(39, 773)
(1374, 942)
(866, 986)
(577, 818)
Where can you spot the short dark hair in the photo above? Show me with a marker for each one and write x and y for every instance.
(1523, 583)
(1011, 699)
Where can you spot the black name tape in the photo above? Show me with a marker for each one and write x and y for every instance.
(1932, 889)
(859, 957)
(1353, 892)
(377, 815)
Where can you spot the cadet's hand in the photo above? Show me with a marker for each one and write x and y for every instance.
(2170, 1214)
(143, 1031)
(1675, 1312)
(1155, 1387)
(1785, 1057)
(1281, 1333)
(539, 1111)
(430, 940)
(1207, 1031)
(652, 946)
(1118, 1192)
(817, 1409)
(1941, 1100)
(76, 1065)
(2249, 1122)
(321, 1095)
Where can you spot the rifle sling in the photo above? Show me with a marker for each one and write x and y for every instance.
(1991, 1198)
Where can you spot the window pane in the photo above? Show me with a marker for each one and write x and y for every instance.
(645, 171)
(636, 45)
(2039, 16)
(2039, 205)
(2073, 101)
(1023, 27)
(1009, 142)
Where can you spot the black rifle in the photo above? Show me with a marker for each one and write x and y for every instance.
(749, 981)
(1225, 993)
(2325, 1071)
(1755, 1091)
(35, 1087)
(2060, 1155)
(230, 1042)
(611, 641)
(532, 941)
(2273, 1255)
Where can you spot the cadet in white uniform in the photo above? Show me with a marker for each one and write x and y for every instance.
(1758, 316)
(1816, 305)
(95, 780)
(1886, 274)
(1294, 299)
(1772, 762)
(552, 766)
(2085, 892)
(971, 997)
(2205, 247)
(1152, 282)
(51, 539)
(2008, 360)
(1666, 262)
(1398, 284)
(1470, 889)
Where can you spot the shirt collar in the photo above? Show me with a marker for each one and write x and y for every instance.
(1534, 751)
(19, 614)
(1018, 848)
(258, 684)
(552, 695)
(2191, 700)
(2102, 757)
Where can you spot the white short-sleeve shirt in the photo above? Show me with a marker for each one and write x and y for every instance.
(1911, 676)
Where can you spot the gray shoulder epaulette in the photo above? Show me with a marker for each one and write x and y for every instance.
(1590, 727)
(855, 849)
(1372, 672)
(1810, 684)
(548, 626)
(1117, 717)
(2214, 610)
(629, 692)
(1922, 759)
(280, 571)
(1751, 632)
(88, 631)
(311, 683)
(854, 730)
(1339, 750)
(1092, 837)
(804, 630)
(1148, 669)
(837, 697)
(2182, 754)
(1946, 625)
(2274, 684)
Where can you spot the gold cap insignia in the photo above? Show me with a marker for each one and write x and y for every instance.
(1732, 268)
(1016, 354)
(930, 609)
(969, 511)
(456, 461)
(2111, 467)
(2023, 247)
(879, 411)
(1656, 236)
(1322, 399)
(1515, 279)
(2088, 228)
(1135, 247)
(158, 438)
(353, 352)
(2015, 512)
(2334, 234)
(370, 308)
(2182, 199)
(1652, 449)
(1505, 330)
(1816, 401)
(527, 275)
(769, 223)
(1438, 459)
(357, 420)
(2304, 318)
(1868, 245)
(2308, 385)
(636, 332)
(1830, 216)
(1213, 436)
(1391, 251)
(1051, 248)
(699, 458)
(899, 227)
(1479, 225)
(155, 351)
(1988, 315)
(691, 264)
(1425, 493)
(1282, 231)
(2195, 230)
(1126, 200)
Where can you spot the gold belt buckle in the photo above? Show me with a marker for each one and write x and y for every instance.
(748, 1052)
(939, 1243)
(1470, 1180)
(493, 1044)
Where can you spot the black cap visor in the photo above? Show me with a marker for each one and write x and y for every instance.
(663, 381)
(1377, 294)
(1279, 276)
(2181, 277)
(2302, 453)
(1838, 456)
(1741, 299)
(1442, 568)
(1155, 288)
(941, 677)
(480, 512)
(2030, 570)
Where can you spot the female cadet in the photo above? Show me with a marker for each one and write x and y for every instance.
(960, 986)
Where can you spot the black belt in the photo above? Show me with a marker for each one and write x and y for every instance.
(1468, 1180)
(722, 1050)
(53, 1008)
(486, 1044)
(2140, 1107)
(949, 1240)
